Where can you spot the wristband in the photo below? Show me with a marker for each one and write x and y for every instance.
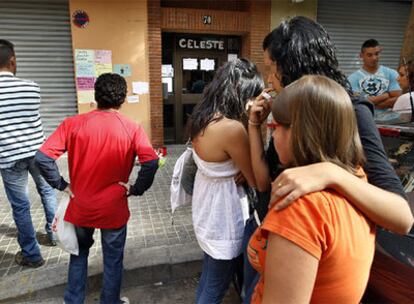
(254, 123)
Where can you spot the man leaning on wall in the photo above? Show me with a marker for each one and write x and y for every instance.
(21, 134)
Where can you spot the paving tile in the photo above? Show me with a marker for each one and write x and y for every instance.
(149, 224)
(14, 269)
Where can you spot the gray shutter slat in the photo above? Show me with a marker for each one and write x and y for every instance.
(40, 31)
(350, 23)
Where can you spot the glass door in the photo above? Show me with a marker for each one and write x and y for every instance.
(195, 72)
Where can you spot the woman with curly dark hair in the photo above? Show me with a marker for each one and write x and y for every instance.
(221, 151)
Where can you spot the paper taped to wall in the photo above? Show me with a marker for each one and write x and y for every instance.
(140, 87)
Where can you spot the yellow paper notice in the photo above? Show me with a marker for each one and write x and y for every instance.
(101, 68)
(86, 96)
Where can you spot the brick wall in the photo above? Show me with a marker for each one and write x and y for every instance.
(259, 28)
(223, 22)
(253, 26)
(155, 86)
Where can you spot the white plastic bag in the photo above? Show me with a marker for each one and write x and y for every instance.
(178, 195)
(63, 231)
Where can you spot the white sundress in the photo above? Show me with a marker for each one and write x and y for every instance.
(218, 215)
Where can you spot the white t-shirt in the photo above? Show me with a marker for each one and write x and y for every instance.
(403, 104)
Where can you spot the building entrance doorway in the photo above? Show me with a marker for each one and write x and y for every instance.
(196, 70)
(187, 69)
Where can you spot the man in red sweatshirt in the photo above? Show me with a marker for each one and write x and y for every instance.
(101, 146)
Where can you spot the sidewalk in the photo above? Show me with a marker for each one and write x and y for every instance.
(151, 240)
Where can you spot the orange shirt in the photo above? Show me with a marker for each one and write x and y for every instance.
(328, 227)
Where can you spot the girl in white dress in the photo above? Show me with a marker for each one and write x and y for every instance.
(221, 151)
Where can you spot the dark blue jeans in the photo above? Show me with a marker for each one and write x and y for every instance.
(113, 243)
(250, 277)
(15, 180)
(215, 280)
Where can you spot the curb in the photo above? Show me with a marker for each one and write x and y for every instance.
(28, 284)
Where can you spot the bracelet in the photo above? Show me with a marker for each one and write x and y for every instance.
(254, 123)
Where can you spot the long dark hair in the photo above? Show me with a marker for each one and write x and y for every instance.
(233, 85)
(301, 46)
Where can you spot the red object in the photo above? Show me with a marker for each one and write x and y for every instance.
(391, 279)
(272, 125)
(390, 282)
(389, 132)
(80, 18)
(163, 151)
(101, 149)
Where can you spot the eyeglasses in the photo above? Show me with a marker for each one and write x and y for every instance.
(273, 125)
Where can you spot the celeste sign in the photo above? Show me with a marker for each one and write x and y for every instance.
(201, 44)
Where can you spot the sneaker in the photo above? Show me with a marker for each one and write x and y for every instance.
(52, 243)
(46, 240)
(51, 239)
(124, 300)
(21, 260)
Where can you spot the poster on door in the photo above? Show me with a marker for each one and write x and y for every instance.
(89, 65)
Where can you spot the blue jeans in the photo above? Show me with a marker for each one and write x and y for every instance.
(15, 180)
(250, 275)
(215, 280)
(113, 243)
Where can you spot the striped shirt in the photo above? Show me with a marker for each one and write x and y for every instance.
(21, 132)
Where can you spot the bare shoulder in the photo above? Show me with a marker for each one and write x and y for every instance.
(229, 128)
(218, 138)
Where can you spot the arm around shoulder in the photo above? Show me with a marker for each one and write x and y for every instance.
(384, 208)
(382, 200)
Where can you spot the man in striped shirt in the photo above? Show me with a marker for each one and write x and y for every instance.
(21, 134)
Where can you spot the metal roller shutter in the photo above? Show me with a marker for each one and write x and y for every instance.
(350, 23)
(40, 31)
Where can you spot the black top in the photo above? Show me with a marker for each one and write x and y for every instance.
(379, 171)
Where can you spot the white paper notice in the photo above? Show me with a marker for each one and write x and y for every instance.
(207, 64)
(167, 70)
(190, 64)
(133, 99)
(231, 57)
(169, 83)
(139, 87)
